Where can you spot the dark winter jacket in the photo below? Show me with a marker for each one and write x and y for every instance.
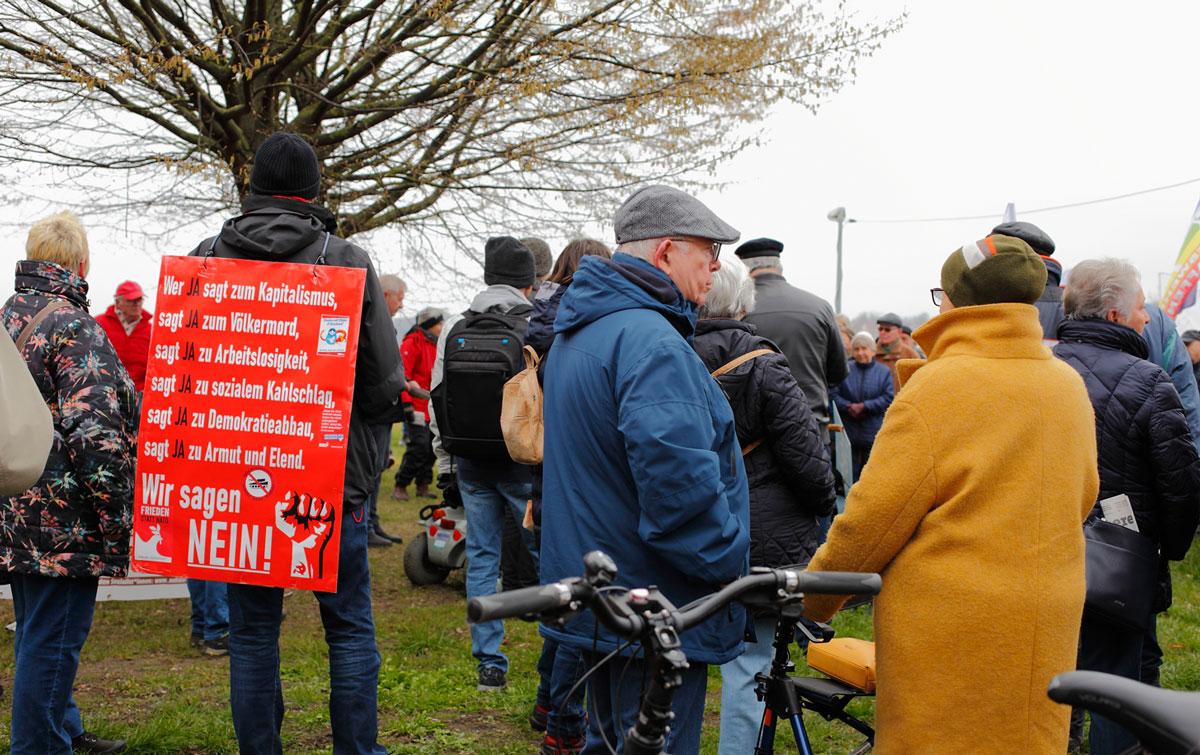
(868, 384)
(275, 234)
(803, 326)
(1050, 305)
(75, 522)
(642, 456)
(541, 323)
(791, 482)
(1168, 351)
(1145, 449)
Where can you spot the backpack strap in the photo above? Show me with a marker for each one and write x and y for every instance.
(45, 312)
(733, 364)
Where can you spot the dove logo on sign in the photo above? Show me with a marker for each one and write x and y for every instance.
(258, 483)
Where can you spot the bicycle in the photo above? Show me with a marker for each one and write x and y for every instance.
(645, 615)
(786, 697)
(1166, 722)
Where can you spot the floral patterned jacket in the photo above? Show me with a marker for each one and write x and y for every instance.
(75, 522)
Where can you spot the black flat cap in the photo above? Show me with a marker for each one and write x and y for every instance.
(759, 248)
(1190, 336)
(889, 318)
(1029, 233)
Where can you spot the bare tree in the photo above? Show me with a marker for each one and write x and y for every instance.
(443, 112)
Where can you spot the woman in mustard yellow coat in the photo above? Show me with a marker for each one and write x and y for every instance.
(971, 507)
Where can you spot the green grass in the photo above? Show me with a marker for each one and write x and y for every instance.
(140, 680)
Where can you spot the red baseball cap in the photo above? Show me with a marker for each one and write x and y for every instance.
(130, 290)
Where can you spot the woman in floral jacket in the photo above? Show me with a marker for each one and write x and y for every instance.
(73, 525)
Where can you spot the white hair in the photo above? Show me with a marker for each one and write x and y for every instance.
(731, 295)
(864, 338)
(643, 249)
(763, 263)
(1097, 286)
(392, 283)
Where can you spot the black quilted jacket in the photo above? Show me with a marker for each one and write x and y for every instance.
(1144, 445)
(791, 482)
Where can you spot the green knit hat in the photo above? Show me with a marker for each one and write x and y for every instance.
(995, 270)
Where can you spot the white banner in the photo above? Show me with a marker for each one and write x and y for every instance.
(136, 586)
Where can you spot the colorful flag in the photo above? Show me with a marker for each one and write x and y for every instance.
(1181, 289)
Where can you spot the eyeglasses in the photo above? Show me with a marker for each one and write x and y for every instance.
(712, 247)
(938, 295)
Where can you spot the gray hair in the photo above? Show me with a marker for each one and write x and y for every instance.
(763, 263)
(731, 295)
(392, 283)
(643, 249)
(1096, 286)
(863, 337)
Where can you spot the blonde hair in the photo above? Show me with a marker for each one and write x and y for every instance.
(60, 239)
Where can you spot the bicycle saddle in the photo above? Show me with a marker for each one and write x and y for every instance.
(1167, 722)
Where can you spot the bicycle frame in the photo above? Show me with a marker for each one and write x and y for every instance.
(784, 698)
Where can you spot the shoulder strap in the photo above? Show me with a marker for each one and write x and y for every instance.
(739, 361)
(45, 312)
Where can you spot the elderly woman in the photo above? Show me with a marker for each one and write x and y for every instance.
(73, 526)
(787, 465)
(1145, 448)
(862, 398)
(983, 474)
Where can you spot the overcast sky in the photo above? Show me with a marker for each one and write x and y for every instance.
(970, 106)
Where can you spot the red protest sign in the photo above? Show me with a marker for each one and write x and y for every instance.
(245, 420)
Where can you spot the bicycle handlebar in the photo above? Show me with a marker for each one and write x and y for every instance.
(622, 612)
(538, 599)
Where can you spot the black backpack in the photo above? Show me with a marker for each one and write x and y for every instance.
(483, 350)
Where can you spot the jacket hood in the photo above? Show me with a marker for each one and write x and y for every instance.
(41, 277)
(1053, 272)
(604, 286)
(998, 331)
(270, 233)
(1104, 334)
(500, 297)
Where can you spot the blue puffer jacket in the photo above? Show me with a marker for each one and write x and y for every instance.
(1144, 446)
(642, 457)
(868, 384)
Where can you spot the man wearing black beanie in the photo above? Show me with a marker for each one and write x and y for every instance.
(465, 420)
(280, 222)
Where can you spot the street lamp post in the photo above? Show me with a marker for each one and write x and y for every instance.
(838, 215)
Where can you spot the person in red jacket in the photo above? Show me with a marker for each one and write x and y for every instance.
(128, 327)
(418, 350)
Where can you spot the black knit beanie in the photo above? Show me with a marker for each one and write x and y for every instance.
(507, 261)
(285, 165)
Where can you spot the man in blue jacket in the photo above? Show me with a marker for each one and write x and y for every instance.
(641, 456)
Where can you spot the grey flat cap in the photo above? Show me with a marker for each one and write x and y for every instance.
(659, 211)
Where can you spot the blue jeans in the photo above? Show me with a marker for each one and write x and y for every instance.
(617, 687)
(560, 667)
(210, 609)
(741, 710)
(255, 690)
(483, 502)
(1113, 650)
(54, 616)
